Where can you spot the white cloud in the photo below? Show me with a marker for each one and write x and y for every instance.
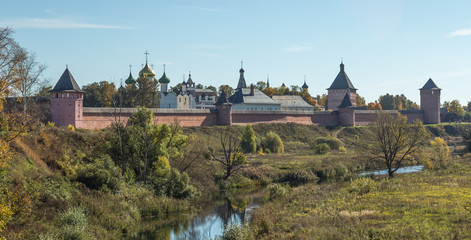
(460, 33)
(297, 48)
(53, 23)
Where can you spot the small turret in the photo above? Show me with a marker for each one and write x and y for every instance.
(241, 83)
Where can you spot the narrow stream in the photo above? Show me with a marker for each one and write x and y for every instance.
(208, 223)
(410, 169)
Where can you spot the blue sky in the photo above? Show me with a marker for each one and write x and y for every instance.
(388, 46)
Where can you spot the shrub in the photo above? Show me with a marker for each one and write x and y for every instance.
(298, 177)
(248, 143)
(441, 152)
(321, 148)
(236, 232)
(362, 185)
(333, 143)
(74, 222)
(273, 142)
(71, 127)
(342, 149)
(51, 124)
(276, 190)
(101, 174)
(170, 182)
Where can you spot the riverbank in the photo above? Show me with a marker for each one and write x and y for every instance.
(42, 177)
(422, 205)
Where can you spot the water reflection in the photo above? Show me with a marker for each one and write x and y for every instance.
(410, 169)
(210, 222)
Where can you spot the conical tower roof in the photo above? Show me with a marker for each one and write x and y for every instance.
(66, 83)
(241, 83)
(222, 99)
(342, 81)
(429, 85)
(346, 102)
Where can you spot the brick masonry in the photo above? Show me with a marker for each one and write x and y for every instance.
(67, 108)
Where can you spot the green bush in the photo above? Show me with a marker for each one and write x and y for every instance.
(248, 143)
(273, 142)
(100, 174)
(170, 182)
(333, 143)
(236, 232)
(74, 222)
(299, 177)
(276, 190)
(321, 148)
(362, 185)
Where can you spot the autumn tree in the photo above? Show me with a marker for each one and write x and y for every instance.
(99, 94)
(322, 100)
(360, 101)
(261, 85)
(397, 102)
(247, 142)
(146, 95)
(227, 89)
(374, 106)
(395, 140)
(454, 107)
(230, 156)
(30, 71)
(12, 60)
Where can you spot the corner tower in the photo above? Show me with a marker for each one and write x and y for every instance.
(430, 102)
(67, 101)
(338, 89)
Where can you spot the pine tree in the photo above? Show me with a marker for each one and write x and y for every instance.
(247, 142)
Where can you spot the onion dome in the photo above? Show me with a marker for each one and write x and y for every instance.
(130, 79)
(147, 71)
(305, 85)
(164, 79)
(190, 81)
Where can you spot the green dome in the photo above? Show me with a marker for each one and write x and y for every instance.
(164, 79)
(130, 79)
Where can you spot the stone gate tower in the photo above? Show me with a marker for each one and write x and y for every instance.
(430, 102)
(338, 89)
(67, 101)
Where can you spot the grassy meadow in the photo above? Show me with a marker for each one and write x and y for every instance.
(309, 194)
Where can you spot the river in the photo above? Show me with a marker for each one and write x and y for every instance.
(209, 222)
(410, 169)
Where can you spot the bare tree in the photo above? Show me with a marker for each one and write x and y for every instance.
(29, 72)
(11, 58)
(395, 140)
(232, 158)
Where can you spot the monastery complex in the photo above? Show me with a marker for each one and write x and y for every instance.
(248, 105)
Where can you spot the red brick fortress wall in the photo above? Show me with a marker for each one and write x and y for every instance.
(98, 118)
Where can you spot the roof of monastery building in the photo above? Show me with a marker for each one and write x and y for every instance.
(66, 83)
(291, 101)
